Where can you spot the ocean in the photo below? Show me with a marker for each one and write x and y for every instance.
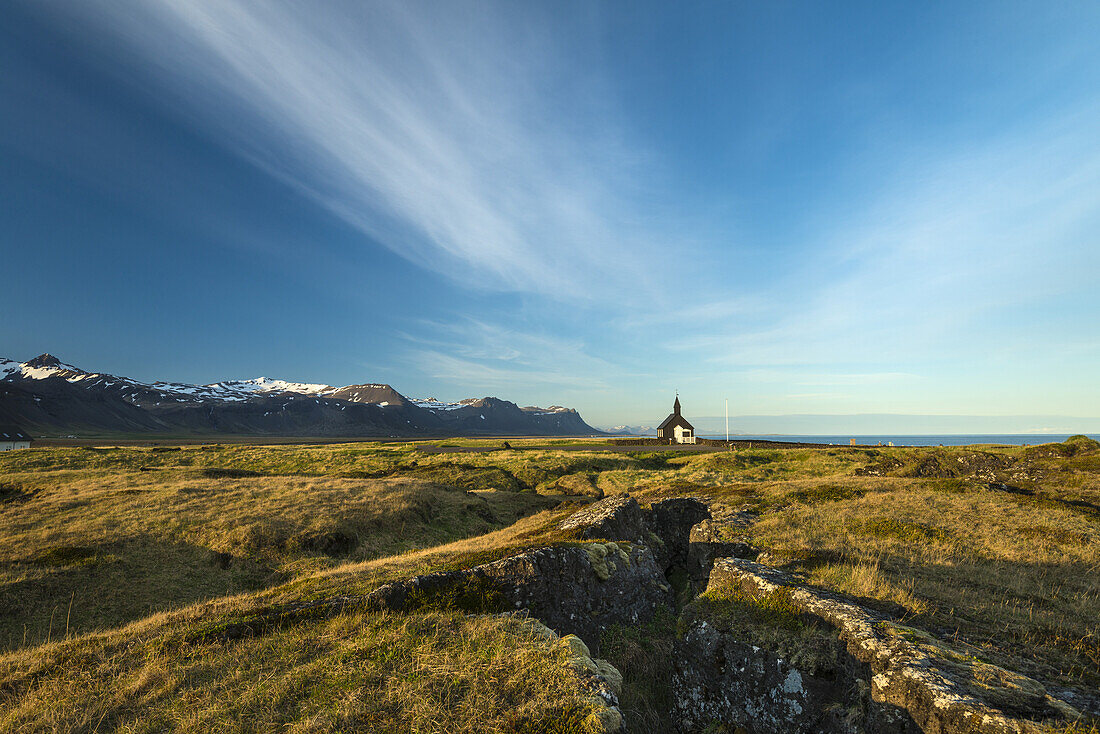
(1010, 439)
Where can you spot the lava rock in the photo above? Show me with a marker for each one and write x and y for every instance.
(719, 678)
(618, 517)
(671, 520)
(942, 689)
(580, 589)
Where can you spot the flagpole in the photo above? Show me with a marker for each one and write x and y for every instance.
(727, 420)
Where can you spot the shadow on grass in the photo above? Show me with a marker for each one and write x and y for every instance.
(78, 589)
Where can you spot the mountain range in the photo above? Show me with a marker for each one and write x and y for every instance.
(47, 397)
(631, 430)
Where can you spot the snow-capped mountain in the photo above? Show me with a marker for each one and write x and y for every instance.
(631, 430)
(47, 396)
(47, 366)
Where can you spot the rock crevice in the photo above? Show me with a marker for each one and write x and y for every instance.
(891, 678)
(850, 671)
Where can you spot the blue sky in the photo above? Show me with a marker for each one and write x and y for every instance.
(803, 208)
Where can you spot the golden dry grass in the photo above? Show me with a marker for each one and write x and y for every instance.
(1013, 573)
(357, 672)
(95, 548)
(1016, 575)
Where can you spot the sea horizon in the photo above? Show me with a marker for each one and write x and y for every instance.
(901, 439)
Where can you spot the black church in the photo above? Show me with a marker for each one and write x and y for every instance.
(675, 428)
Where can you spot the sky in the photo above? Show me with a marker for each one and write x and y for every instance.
(801, 208)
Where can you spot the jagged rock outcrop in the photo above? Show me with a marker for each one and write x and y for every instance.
(573, 589)
(897, 677)
(666, 526)
(618, 517)
(800, 659)
(720, 678)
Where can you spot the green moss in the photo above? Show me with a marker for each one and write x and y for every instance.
(772, 621)
(477, 595)
(826, 493)
(735, 460)
(950, 486)
(730, 606)
(465, 476)
(606, 558)
(68, 555)
(888, 527)
(219, 472)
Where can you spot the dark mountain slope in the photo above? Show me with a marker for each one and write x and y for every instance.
(49, 397)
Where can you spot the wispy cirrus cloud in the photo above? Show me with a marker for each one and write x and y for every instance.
(937, 263)
(472, 352)
(873, 250)
(435, 131)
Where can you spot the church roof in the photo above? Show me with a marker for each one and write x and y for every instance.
(675, 419)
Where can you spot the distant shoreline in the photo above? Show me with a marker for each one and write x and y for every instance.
(900, 439)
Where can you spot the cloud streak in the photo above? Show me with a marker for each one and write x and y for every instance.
(876, 255)
(470, 352)
(936, 262)
(428, 129)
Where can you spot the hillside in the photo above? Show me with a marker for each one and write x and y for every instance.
(256, 588)
(50, 398)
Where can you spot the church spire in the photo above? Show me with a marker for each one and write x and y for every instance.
(676, 405)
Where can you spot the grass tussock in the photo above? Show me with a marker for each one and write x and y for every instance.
(94, 549)
(358, 672)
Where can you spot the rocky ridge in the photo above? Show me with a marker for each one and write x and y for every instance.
(911, 681)
(48, 397)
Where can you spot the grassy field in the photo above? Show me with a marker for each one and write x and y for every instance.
(112, 558)
(440, 671)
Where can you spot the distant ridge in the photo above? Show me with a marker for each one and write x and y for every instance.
(49, 397)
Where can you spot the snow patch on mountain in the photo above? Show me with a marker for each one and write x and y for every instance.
(631, 430)
(435, 404)
(47, 366)
(552, 410)
(8, 366)
(268, 385)
(41, 372)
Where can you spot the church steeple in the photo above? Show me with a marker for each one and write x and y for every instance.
(675, 428)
